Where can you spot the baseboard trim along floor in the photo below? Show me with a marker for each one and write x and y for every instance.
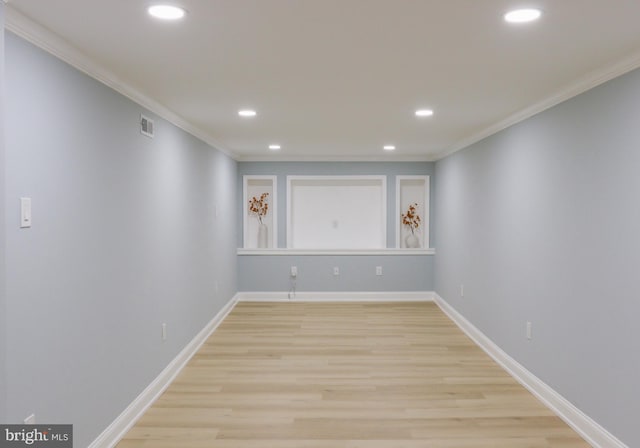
(305, 296)
(590, 430)
(125, 421)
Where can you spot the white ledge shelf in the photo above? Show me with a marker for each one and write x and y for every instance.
(289, 252)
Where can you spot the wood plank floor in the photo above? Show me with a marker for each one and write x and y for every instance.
(345, 375)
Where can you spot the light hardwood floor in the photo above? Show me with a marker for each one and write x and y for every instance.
(354, 375)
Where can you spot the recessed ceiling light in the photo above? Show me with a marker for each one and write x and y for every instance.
(522, 15)
(274, 147)
(166, 12)
(424, 113)
(389, 148)
(247, 113)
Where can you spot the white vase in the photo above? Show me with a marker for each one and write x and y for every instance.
(263, 236)
(412, 241)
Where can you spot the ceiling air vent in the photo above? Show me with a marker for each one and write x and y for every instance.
(146, 126)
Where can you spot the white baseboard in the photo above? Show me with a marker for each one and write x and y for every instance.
(125, 421)
(305, 296)
(590, 430)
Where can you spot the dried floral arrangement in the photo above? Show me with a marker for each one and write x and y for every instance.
(411, 217)
(259, 207)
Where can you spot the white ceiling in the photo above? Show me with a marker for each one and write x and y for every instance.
(338, 79)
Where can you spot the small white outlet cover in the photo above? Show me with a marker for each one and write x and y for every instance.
(294, 271)
(336, 270)
(378, 270)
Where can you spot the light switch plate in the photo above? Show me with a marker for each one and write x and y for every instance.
(25, 213)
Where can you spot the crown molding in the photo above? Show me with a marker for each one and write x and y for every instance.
(336, 158)
(24, 27)
(21, 25)
(581, 85)
(52, 43)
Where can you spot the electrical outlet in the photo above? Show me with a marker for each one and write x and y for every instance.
(378, 270)
(164, 331)
(336, 270)
(294, 271)
(529, 330)
(461, 290)
(31, 420)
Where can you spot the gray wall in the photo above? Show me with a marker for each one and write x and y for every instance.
(315, 273)
(3, 313)
(124, 238)
(541, 223)
(357, 273)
